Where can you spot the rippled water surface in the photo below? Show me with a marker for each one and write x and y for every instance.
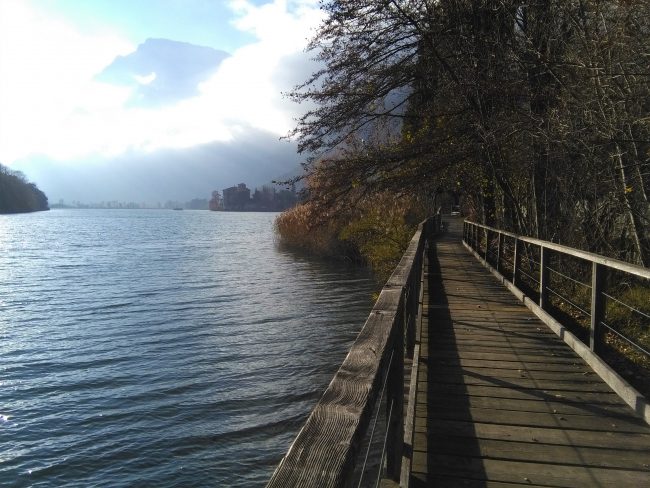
(161, 348)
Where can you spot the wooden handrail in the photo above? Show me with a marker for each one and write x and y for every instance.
(577, 253)
(325, 453)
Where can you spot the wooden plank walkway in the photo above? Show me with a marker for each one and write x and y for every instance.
(502, 401)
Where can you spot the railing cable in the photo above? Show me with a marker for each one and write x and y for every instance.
(626, 339)
(383, 449)
(629, 307)
(374, 425)
(577, 282)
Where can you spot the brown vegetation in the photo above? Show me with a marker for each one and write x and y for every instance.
(537, 112)
(375, 230)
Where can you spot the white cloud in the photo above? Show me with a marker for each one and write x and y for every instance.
(44, 66)
(145, 80)
(282, 29)
(50, 104)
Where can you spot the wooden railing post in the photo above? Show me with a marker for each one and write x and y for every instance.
(515, 262)
(543, 277)
(597, 308)
(487, 245)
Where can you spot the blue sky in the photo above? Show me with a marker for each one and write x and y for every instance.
(54, 108)
(202, 22)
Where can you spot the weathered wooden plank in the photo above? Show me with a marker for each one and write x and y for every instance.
(524, 326)
(475, 313)
(529, 405)
(427, 480)
(508, 418)
(523, 433)
(506, 344)
(324, 451)
(520, 383)
(386, 483)
(510, 356)
(524, 393)
(505, 339)
(499, 339)
(576, 374)
(508, 471)
(503, 348)
(534, 452)
(451, 361)
(477, 351)
(405, 268)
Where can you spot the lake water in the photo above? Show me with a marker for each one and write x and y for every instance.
(161, 348)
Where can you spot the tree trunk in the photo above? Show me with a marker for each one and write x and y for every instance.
(636, 227)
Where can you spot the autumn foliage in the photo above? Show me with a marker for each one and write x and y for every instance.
(375, 230)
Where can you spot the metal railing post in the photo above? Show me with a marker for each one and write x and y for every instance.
(515, 262)
(543, 277)
(395, 408)
(475, 235)
(499, 248)
(487, 245)
(411, 301)
(597, 308)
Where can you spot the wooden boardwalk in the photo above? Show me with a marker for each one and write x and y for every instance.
(502, 401)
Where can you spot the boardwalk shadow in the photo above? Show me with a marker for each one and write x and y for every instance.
(440, 467)
(502, 401)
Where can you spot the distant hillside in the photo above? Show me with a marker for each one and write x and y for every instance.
(163, 71)
(18, 195)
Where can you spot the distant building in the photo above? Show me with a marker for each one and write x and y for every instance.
(236, 197)
(216, 202)
(266, 199)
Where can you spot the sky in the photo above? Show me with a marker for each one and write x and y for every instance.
(85, 96)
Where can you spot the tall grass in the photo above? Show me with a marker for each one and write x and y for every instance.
(304, 229)
(375, 231)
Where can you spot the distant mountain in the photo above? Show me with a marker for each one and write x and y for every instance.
(163, 71)
(254, 157)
